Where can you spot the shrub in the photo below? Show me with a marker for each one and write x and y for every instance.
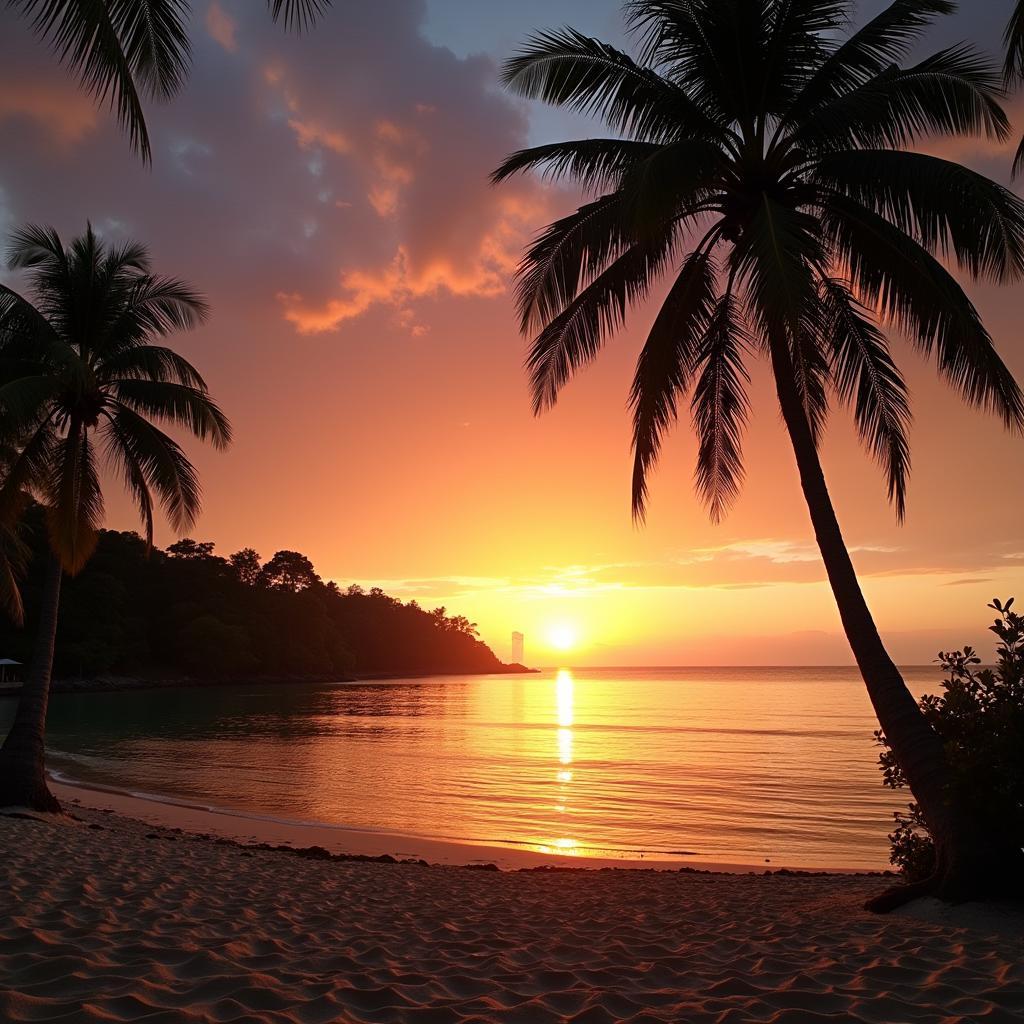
(980, 717)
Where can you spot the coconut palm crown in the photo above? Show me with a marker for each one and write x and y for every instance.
(761, 158)
(84, 380)
(764, 164)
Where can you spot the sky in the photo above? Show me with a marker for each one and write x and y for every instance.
(329, 194)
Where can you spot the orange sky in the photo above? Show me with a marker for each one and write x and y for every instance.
(329, 195)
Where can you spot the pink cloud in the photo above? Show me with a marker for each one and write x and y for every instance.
(221, 26)
(66, 116)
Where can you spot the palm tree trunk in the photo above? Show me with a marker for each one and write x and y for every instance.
(22, 757)
(964, 852)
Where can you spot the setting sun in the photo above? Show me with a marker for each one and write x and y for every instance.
(563, 636)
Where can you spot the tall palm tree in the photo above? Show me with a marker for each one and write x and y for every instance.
(84, 378)
(123, 50)
(761, 158)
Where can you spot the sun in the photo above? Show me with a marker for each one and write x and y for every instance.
(562, 636)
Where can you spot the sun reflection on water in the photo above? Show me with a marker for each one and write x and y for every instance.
(564, 706)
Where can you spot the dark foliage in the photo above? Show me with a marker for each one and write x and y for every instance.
(980, 717)
(189, 611)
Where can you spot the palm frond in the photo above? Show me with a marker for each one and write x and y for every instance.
(160, 460)
(720, 408)
(1013, 41)
(811, 372)
(26, 471)
(121, 453)
(151, 362)
(717, 47)
(180, 404)
(799, 42)
(155, 42)
(944, 205)
(867, 378)
(879, 44)
(85, 38)
(36, 246)
(954, 92)
(673, 183)
(297, 14)
(568, 254)
(594, 164)
(569, 69)
(666, 365)
(74, 501)
(575, 336)
(911, 289)
(24, 403)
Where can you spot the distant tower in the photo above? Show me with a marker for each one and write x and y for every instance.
(517, 648)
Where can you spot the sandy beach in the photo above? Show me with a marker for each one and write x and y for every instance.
(112, 919)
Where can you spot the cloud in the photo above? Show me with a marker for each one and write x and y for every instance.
(221, 26)
(321, 188)
(65, 119)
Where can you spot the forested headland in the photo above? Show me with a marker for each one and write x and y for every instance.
(188, 611)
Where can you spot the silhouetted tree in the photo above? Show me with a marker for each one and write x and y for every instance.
(123, 50)
(191, 549)
(766, 162)
(246, 564)
(80, 367)
(289, 570)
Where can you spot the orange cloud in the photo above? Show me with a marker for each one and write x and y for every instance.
(484, 274)
(312, 133)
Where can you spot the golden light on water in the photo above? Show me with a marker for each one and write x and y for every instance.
(564, 713)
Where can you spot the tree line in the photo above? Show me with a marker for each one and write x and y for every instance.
(190, 611)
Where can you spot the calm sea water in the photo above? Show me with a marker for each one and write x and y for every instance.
(733, 765)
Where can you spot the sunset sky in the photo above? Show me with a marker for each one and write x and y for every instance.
(329, 194)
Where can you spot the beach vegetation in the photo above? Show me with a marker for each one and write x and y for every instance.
(186, 612)
(980, 717)
(765, 160)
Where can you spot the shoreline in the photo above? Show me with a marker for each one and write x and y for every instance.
(133, 684)
(249, 829)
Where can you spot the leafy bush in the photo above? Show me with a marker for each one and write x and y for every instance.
(980, 717)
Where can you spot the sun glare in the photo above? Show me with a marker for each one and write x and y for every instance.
(562, 636)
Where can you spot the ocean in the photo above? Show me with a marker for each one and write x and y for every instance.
(763, 766)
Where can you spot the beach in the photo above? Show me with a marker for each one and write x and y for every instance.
(113, 919)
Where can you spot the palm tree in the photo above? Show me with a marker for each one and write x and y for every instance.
(84, 377)
(763, 161)
(124, 49)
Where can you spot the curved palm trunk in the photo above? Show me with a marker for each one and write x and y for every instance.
(967, 857)
(22, 757)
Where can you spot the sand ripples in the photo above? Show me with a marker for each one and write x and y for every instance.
(123, 923)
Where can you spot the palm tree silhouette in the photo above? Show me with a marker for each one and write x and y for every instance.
(125, 49)
(763, 161)
(84, 377)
